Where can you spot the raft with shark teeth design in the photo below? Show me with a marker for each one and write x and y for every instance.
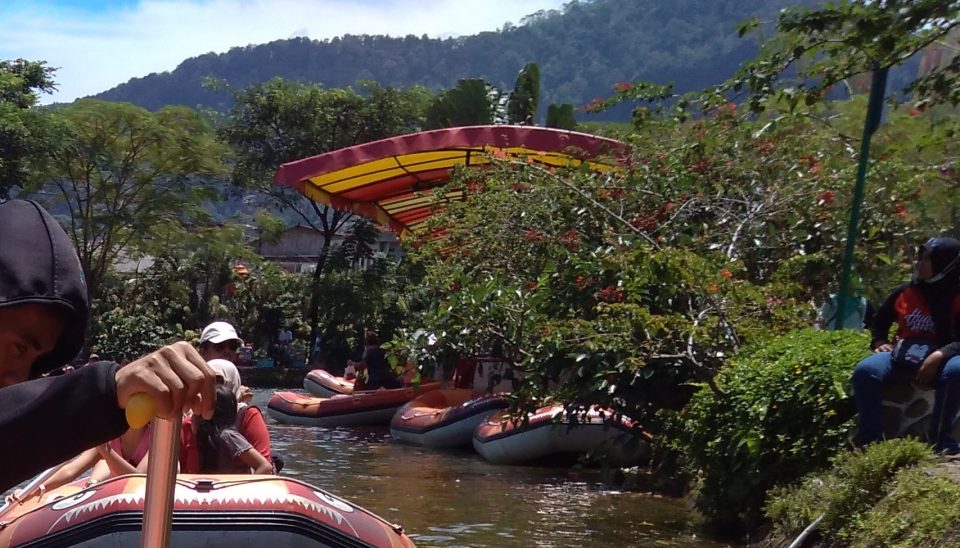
(212, 511)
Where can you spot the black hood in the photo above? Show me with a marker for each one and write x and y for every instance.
(944, 254)
(39, 265)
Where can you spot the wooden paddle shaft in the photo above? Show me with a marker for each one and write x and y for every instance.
(161, 482)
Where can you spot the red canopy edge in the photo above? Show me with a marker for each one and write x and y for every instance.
(501, 136)
(370, 199)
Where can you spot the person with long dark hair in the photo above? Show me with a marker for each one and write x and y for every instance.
(926, 312)
(222, 449)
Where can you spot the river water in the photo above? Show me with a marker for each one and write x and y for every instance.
(454, 499)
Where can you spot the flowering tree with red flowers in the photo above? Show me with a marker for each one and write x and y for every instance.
(623, 288)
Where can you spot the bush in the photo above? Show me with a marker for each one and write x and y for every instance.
(847, 493)
(920, 510)
(131, 332)
(850, 488)
(782, 411)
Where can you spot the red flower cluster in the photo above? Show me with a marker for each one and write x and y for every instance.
(570, 237)
(813, 165)
(646, 224)
(826, 198)
(901, 211)
(531, 286)
(623, 86)
(726, 273)
(595, 106)
(702, 166)
(765, 147)
(533, 235)
(610, 294)
(610, 193)
(583, 283)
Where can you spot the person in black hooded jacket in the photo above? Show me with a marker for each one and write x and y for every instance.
(927, 313)
(43, 322)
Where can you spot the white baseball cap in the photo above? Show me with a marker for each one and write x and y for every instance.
(219, 332)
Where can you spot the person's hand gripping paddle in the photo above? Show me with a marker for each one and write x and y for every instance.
(161, 386)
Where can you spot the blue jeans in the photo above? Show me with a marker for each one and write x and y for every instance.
(868, 379)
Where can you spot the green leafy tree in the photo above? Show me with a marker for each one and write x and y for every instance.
(832, 43)
(24, 131)
(193, 272)
(130, 330)
(525, 99)
(622, 288)
(120, 171)
(468, 104)
(265, 300)
(817, 49)
(561, 116)
(281, 121)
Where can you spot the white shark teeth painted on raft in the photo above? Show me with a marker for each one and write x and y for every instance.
(99, 504)
(106, 502)
(212, 498)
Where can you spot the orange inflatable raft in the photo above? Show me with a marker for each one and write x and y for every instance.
(322, 384)
(209, 511)
(368, 408)
(550, 432)
(444, 418)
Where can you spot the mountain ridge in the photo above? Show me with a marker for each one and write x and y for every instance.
(582, 51)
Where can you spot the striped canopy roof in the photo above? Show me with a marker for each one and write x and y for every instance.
(387, 180)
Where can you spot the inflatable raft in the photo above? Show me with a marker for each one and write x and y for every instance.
(368, 408)
(322, 384)
(209, 511)
(548, 432)
(444, 418)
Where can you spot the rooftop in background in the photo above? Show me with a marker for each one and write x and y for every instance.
(298, 248)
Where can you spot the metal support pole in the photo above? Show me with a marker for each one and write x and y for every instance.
(878, 89)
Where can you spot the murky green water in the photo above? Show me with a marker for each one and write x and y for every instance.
(454, 499)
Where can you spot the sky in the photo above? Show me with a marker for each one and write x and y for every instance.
(98, 44)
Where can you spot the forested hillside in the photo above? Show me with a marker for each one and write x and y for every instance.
(582, 51)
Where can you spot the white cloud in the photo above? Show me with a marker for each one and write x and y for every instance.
(98, 50)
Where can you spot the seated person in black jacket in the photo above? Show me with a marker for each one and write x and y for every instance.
(374, 363)
(43, 321)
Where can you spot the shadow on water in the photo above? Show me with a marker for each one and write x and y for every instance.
(455, 498)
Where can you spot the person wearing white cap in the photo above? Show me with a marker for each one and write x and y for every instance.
(220, 340)
(219, 345)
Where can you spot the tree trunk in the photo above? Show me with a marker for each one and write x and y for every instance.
(314, 311)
